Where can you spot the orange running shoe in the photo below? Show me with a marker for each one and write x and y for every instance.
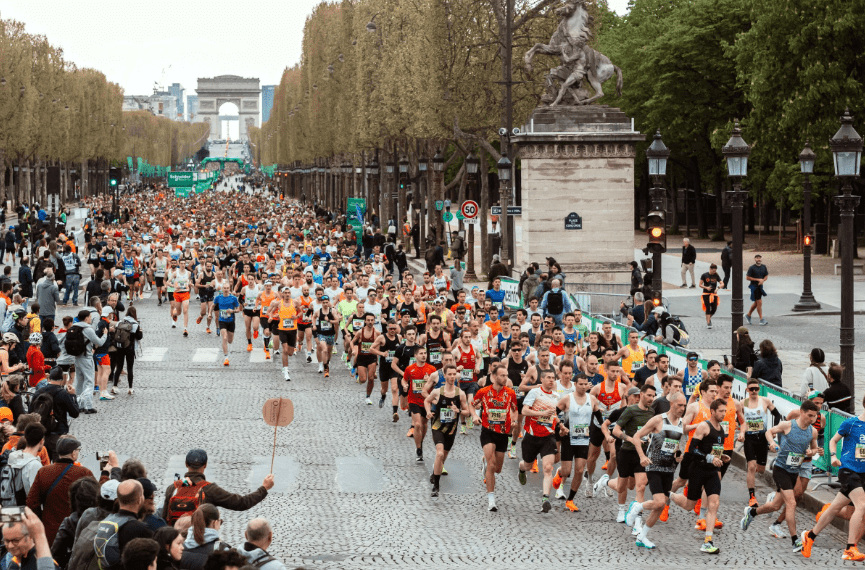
(557, 480)
(665, 514)
(752, 502)
(535, 466)
(572, 507)
(410, 432)
(701, 524)
(266, 354)
(697, 506)
(174, 317)
(718, 524)
(326, 372)
(208, 331)
(853, 553)
(198, 320)
(807, 543)
(604, 468)
(248, 348)
(255, 334)
(823, 510)
(225, 363)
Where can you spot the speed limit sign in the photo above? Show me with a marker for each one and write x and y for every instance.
(469, 209)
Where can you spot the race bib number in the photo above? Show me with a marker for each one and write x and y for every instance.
(580, 431)
(725, 427)
(129, 271)
(447, 415)
(466, 375)
(497, 305)
(859, 452)
(546, 421)
(287, 323)
(636, 365)
(183, 284)
(224, 314)
(435, 357)
(94, 255)
(250, 304)
(717, 451)
(755, 426)
(357, 324)
(389, 357)
(669, 446)
(365, 346)
(497, 415)
(326, 325)
(159, 273)
(417, 385)
(795, 459)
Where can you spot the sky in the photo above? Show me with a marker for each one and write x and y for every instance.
(141, 43)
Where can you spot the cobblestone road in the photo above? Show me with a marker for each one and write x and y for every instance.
(348, 492)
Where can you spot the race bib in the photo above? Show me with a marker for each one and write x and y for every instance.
(717, 451)
(545, 421)
(795, 459)
(224, 314)
(129, 272)
(725, 427)
(755, 426)
(250, 304)
(412, 360)
(497, 415)
(435, 357)
(636, 365)
(580, 431)
(182, 283)
(859, 452)
(447, 415)
(287, 323)
(365, 346)
(357, 324)
(417, 385)
(466, 375)
(389, 357)
(669, 446)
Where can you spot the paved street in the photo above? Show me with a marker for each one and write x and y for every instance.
(348, 492)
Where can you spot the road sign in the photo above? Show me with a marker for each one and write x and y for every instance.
(460, 215)
(471, 221)
(448, 217)
(180, 180)
(512, 210)
(573, 221)
(469, 209)
(440, 205)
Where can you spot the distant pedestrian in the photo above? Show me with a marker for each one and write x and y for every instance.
(689, 257)
(727, 262)
(837, 395)
(757, 275)
(815, 377)
(709, 296)
(636, 278)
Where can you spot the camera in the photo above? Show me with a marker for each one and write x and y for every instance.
(11, 514)
(101, 456)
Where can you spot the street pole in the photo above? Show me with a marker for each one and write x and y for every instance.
(737, 202)
(807, 302)
(504, 189)
(470, 275)
(658, 196)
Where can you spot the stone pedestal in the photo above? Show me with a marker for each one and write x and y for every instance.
(579, 159)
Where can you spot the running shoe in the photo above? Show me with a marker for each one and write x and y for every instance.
(665, 514)
(777, 531)
(746, 520)
(698, 506)
(638, 527)
(633, 513)
(752, 502)
(469, 423)
(797, 546)
(444, 470)
(807, 543)
(114, 390)
(225, 363)
(572, 507)
(492, 504)
(853, 554)
(601, 483)
(198, 320)
(748, 318)
(604, 468)
(644, 542)
(764, 322)
(368, 401)
(419, 459)
(709, 548)
(320, 367)
(701, 524)
(396, 417)
(557, 480)
(410, 432)
(381, 403)
(326, 373)
(185, 332)
(560, 494)
(545, 505)
(620, 516)
(266, 354)
(823, 510)
(718, 523)
(131, 392)
(522, 477)
(435, 492)
(255, 334)
(589, 485)
(535, 466)
(308, 358)
(208, 331)
(512, 450)
(107, 397)
(249, 347)
(463, 429)
(770, 497)
(286, 375)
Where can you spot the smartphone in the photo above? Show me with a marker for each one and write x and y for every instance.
(101, 456)
(11, 514)
(726, 361)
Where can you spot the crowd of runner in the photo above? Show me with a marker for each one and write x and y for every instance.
(298, 285)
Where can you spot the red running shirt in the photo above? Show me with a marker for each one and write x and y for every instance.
(414, 374)
(497, 405)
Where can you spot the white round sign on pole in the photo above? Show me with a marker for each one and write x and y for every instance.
(469, 209)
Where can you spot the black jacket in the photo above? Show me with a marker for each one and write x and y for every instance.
(50, 345)
(768, 369)
(65, 406)
(689, 254)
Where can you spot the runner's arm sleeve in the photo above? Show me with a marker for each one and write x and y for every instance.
(776, 415)
(598, 417)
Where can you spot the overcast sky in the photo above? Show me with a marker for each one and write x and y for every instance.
(139, 43)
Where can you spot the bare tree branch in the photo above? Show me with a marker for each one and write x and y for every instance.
(480, 140)
(531, 14)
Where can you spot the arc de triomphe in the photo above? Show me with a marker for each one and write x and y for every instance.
(214, 91)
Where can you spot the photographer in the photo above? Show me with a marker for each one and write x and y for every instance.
(28, 544)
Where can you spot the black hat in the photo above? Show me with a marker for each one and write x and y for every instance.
(196, 458)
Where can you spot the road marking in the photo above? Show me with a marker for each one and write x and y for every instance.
(153, 354)
(359, 475)
(205, 354)
(285, 471)
(257, 356)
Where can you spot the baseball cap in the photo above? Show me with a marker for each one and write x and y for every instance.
(811, 395)
(67, 445)
(569, 342)
(6, 415)
(633, 391)
(106, 311)
(149, 487)
(659, 310)
(742, 330)
(196, 458)
(108, 490)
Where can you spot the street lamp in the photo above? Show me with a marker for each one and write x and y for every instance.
(438, 162)
(504, 168)
(403, 190)
(846, 148)
(807, 302)
(472, 165)
(657, 155)
(736, 152)
(421, 209)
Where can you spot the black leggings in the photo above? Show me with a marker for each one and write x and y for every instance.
(117, 365)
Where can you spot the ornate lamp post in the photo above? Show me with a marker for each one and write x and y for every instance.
(504, 168)
(807, 302)
(438, 187)
(657, 155)
(372, 169)
(846, 148)
(420, 209)
(401, 206)
(385, 215)
(472, 164)
(736, 152)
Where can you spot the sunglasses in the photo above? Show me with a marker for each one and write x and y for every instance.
(753, 389)
(693, 359)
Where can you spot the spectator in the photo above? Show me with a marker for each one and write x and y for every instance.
(148, 511)
(555, 269)
(744, 358)
(649, 325)
(530, 283)
(139, 554)
(727, 262)
(689, 257)
(25, 279)
(556, 302)
(85, 368)
(47, 295)
(36, 361)
(837, 395)
(26, 462)
(50, 345)
(815, 378)
(203, 538)
(497, 269)
(65, 406)
(259, 537)
(769, 367)
(636, 278)
(83, 494)
(28, 544)
(10, 398)
(127, 353)
(170, 543)
(49, 494)
(72, 263)
(106, 496)
(24, 420)
(196, 463)
(94, 286)
(225, 560)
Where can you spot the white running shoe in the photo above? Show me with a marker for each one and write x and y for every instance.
(601, 483)
(638, 527)
(644, 542)
(620, 516)
(777, 531)
(492, 504)
(131, 392)
(320, 367)
(590, 483)
(368, 402)
(285, 374)
(560, 492)
(634, 510)
(114, 390)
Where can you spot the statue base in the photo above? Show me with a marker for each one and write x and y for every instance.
(577, 179)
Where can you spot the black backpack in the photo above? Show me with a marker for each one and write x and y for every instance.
(43, 405)
(75, 342)
(123, 335)
(555, 303)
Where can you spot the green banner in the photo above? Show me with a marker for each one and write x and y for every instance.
(355, 213)
(129, 163)
(180, 179)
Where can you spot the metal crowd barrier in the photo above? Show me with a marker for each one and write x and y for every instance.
(601, 299)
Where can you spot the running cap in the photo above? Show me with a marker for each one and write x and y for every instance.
(633, 391)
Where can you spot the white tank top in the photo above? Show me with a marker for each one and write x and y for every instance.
(579, 417)
(756, 419)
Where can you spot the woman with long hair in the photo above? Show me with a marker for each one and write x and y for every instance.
(744, 358)
(125, 353)
(815, 376)
(170, 548)
(202, 538)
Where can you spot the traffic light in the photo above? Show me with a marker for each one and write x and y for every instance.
(808, 240)
(656, 298)
(113, 177)
(657, 231)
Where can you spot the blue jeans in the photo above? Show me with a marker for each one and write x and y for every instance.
(72, 282)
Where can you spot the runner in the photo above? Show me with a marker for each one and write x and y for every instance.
(361, 345)
(632, 355)
(798, 442)
(660, 459)
(468, 366)
(326, 321)
(204, 286)
(304, 320)
(609, 394)
(517, 368)
(498, 405)
(577, 409)
(403, 358)
(251, 308)
(159, 266)
(756, 411)
(262, 307)
(226, 306)
(443, 406)
(709, 297)
(179, 281)
(413, 382)
(286, 311)
(531, 380)
(385, 346)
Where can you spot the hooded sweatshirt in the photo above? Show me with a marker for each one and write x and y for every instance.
(254, 554)
(195, 555)
(28, 464)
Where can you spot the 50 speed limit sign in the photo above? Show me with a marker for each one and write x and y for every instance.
(469, 209)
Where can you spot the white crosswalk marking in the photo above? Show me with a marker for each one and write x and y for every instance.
(153, 354)
(205, 354)
(256, 356)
